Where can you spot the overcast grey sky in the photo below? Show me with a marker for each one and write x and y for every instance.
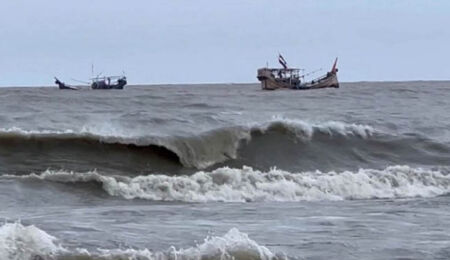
(198, 41)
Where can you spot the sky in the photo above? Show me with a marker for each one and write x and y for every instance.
(221, 41)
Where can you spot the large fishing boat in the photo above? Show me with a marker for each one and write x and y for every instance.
(290, 78)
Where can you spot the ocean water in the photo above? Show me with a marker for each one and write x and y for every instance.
(226, 171)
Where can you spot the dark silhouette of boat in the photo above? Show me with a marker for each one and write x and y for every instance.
(290, 78)
(109, 82)
(106, 82)
(63, 85)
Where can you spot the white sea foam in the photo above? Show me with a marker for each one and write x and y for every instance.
(18, 242)
(247, 184)
(234, 245)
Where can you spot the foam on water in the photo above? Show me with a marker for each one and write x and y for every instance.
(19, 242)
(233, 245)
(247, 184)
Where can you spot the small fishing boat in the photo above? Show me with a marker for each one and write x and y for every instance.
(290, 78)
(99, 82)
(63, 85)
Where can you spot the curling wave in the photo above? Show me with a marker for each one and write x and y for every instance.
(29, 242)
(197, 151)
(248, 185)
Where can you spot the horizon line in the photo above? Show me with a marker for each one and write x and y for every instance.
(232, 83)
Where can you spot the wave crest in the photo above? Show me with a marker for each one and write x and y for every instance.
(234, 245)
(29, 242)
(196, 151)
(306, 130)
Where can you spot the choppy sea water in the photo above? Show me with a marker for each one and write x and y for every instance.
(226, 172)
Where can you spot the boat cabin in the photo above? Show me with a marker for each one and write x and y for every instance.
(109, 82)
(280, 76)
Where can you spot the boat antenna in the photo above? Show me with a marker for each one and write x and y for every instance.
(92, 70)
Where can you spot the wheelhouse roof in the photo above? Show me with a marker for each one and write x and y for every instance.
(105, 77)
(282, 69)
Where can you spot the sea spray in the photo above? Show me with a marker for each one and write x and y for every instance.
(19, 242)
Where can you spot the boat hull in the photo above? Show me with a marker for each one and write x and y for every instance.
(68, 88)
(329, 81)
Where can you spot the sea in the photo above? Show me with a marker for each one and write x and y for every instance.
(226, 171)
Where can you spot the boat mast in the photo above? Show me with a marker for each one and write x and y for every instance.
(334, 69)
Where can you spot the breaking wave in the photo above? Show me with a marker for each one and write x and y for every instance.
(21, 242)
(26, 242)
(197, 151)
(248, 185)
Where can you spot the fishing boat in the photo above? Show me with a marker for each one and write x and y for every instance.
(99, 82)
(108, 82)
(290, 78)
(63, 85)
